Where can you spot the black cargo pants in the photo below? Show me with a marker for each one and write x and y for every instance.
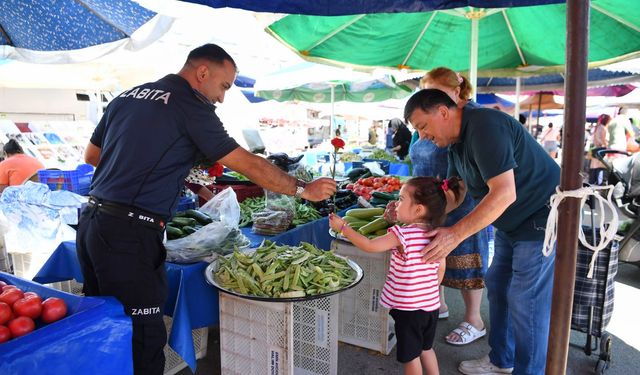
(123, 258)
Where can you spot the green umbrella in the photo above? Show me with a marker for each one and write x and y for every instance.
(322, 84)
(496, 42)
(316, 83)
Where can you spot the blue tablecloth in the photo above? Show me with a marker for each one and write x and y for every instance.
(94, 338)
(192, 302)
(187, 287)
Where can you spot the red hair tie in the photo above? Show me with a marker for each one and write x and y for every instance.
(445, 185)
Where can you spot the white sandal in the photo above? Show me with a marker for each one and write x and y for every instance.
(467, 334)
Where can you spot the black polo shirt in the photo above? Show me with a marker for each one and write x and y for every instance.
(150, 137)
(492, 142)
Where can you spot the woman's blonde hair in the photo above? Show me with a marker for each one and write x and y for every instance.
(447, 77)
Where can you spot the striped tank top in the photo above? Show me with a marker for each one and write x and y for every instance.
(411, 284)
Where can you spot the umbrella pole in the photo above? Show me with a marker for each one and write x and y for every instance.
(570, 179)
(473, 63)
(333, 100)
(538, 114)
(516, 110)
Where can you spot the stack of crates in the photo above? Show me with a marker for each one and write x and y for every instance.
(77, 181)
(25, 265)
(283, 338)
(173, 361)
(363, 321)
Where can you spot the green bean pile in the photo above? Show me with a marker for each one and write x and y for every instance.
(284, 271)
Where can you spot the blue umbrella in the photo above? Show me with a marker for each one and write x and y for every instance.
(595, 78)
(344, 7)
(246, 86)
(62, 31)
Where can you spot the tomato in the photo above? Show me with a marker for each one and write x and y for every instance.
(2, 283)
(5, 313)
(53, 309)
(10, 296)
(21, 325)
(30, 307)
(350, 186)
(5, 287)
(5, 334)
(33, 295)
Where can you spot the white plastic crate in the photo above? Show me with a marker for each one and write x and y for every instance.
(363, 321)
(25, 265)
(278, 338)
(173, 361)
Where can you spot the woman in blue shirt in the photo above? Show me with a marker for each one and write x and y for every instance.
(467, 264)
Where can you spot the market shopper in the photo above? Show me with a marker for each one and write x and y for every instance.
(401, 138)
(467, 263)
(143, 147)
(17, 167)
(512, 177)
(411, 288)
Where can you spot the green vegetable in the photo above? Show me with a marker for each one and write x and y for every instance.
(201, 217)
(365, 213)
(187, 230)
(173, 232)
(384, 196)
(183, 221)
(284, 271)
(373, 226)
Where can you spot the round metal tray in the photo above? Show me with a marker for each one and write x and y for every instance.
(213, 267)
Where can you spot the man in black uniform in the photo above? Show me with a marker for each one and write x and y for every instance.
(145, 144)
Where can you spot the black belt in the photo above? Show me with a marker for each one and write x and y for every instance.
(127, 212)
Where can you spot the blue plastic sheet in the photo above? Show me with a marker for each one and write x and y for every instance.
(94, 338)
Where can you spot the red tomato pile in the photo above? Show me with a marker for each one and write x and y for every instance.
(366, 186)
(18, 311)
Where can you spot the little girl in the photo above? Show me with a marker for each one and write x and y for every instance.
(411, 288)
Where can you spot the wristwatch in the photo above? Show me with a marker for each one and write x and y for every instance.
(300, 185)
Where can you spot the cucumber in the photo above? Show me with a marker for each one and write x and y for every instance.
(365, 213)
(173, 232)
(182, 221)
(187, 230)
(201, 217)
(384, 196)
(373, 226)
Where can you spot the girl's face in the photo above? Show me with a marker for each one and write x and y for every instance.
(407, 211)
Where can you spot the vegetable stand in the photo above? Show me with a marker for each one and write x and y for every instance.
(95, 337)
(192, 303)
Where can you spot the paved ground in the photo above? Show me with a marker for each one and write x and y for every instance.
(625, 328)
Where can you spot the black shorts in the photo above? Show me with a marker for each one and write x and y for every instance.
(415, 331)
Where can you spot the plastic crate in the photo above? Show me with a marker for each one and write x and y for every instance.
(173, 361)
(77, 181)
(363, 321)
(25, 265)
(282, 338)
(384, 164)
(188, 203)
(242, 191)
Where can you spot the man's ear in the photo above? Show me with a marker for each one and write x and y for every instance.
(201, 72)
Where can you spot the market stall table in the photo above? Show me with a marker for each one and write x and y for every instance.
(192, 302)
(94, 337)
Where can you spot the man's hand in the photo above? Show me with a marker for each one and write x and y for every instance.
(443, 241)
(319, 189)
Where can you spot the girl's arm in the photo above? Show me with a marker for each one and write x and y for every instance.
(376, 245)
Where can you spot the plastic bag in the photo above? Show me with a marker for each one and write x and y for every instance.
(218, 237)
(277, 216)
(374, 167)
